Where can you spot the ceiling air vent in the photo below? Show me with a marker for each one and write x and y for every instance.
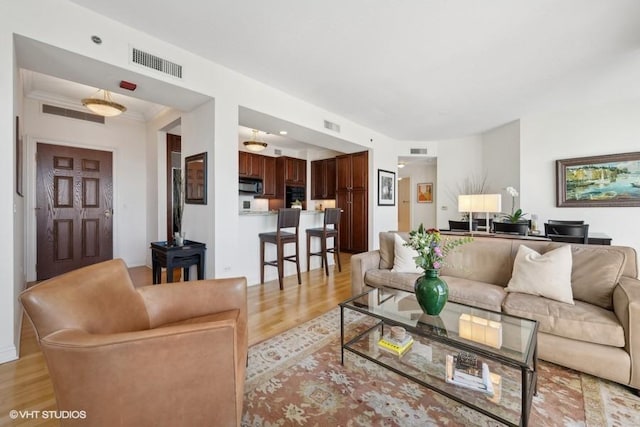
(151, 61)
(72, 114)
(277, 152)
(332, 126)
(422, 151)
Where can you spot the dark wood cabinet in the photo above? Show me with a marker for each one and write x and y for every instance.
(269, 177)
(323, 179)
(295, 172)
(250, 165)
(352, 197)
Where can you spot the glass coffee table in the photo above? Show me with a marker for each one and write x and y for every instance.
(506, 345)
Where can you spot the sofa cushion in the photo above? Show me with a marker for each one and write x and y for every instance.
(484, 259)
(387, 278)
(581, 321)
(387, 248)
(547, 275)
(475, 293)
(404, 257)
(596, 272)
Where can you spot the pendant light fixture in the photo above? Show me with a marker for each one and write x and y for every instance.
(104, 106)
(254, 144)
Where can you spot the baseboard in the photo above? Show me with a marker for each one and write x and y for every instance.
(8, 354)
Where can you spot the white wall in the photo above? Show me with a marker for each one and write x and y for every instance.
(501, 161)
(545, 138)
(458, 160)
(126, 139)
(422, 213)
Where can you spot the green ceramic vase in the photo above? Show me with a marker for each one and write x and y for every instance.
(431, 292)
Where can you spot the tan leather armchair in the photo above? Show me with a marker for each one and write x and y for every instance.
(163, 355)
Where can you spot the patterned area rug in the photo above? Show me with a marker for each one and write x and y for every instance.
(296, 379)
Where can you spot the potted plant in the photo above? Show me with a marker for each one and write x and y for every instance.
(516, 215)
(297, 204)
(178, 207)
(431, 291)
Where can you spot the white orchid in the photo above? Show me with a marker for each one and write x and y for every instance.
(516, 215)
(512, 191)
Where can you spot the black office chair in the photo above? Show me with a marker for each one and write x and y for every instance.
(562, 221)
(463, 225)
(568, 233)
(287, 218)
(519, 228)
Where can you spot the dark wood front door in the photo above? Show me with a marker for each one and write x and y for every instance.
(74, 192)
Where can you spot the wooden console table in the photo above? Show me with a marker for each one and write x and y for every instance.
(172, 256)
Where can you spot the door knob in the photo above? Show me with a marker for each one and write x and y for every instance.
(107, 213)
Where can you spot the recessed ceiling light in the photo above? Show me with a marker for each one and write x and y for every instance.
(283, 132)
(401, 165)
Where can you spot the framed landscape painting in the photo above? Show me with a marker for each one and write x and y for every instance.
(386, 188)
(425, 192)
(606, 181)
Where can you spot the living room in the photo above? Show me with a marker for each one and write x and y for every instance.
(519, 151)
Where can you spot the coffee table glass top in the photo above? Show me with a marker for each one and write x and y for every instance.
(504, 336)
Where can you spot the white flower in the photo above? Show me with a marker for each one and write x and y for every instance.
(512, 191)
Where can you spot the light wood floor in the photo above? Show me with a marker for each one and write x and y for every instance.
(25, 383)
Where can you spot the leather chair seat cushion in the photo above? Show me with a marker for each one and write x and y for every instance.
(214, 317)
(272, 236)
(582, 321)
(475, 293)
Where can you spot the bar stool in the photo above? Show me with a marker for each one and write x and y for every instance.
(331, 217)
(287, 218)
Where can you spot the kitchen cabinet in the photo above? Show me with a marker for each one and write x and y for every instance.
(352, 176)
(250, 165)
(269, 177)
(295, 172)
(323, 179)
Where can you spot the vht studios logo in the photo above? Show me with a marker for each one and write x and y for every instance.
(48, 415)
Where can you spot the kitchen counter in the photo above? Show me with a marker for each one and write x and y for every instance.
(264, 213)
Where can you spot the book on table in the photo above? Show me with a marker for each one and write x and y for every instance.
(474, 376)
(394, 346)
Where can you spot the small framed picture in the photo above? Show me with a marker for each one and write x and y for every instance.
(386, 188)
(425, 192)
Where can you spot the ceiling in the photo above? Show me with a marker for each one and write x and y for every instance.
(415, 69)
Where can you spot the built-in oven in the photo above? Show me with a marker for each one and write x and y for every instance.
(295, 193)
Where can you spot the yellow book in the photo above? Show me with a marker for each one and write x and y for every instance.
(394, 347)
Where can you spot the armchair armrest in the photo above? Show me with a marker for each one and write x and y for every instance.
(360, 264)
(626, 305)
(168, 303)
(199, 360)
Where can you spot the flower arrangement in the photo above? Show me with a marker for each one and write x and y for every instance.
(516, 214)
(431, 248)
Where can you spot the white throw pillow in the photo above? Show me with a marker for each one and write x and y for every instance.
(403, 261)
(547, 275)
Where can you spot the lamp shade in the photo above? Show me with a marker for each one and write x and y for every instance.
(104, 106)
(464, 203)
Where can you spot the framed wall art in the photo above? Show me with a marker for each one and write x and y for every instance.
(195, 184)
(425, 192)
(19, 158)
(605, 181)
(386, 188)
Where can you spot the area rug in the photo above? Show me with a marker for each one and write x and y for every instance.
(296, 379)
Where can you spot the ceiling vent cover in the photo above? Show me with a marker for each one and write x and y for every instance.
(155, 62)
(277, 152)
(72, 114)
(332, 126)
(422, 151)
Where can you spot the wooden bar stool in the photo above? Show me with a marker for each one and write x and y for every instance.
(331, 217)
(287, 218)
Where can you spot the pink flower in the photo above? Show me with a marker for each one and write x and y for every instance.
(436, 265)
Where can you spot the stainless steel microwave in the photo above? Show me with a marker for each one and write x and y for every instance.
(250, 186)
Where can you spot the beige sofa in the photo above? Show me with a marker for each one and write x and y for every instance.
(599, 335)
